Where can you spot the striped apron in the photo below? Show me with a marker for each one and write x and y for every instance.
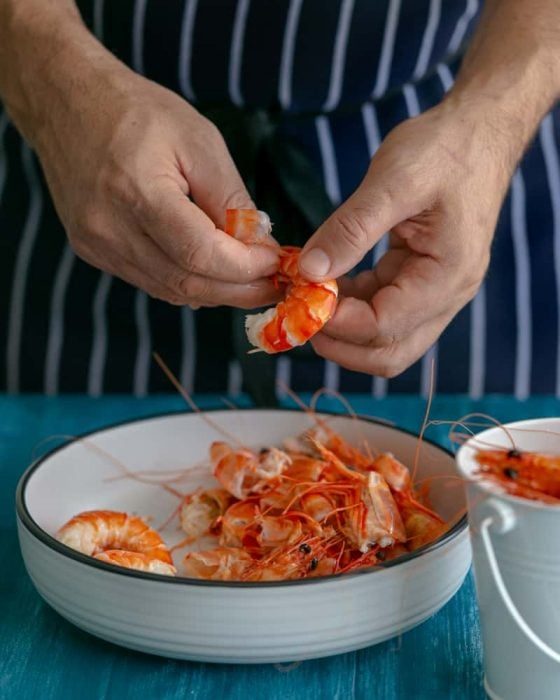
(333, 78)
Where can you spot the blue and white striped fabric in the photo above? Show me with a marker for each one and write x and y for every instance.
(339, 75)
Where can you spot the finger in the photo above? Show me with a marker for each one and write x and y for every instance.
(194, 289)
(383, 362)
(352, 324)
(354, 228)
(365, 284)
(215, 182)
(203, 291)
(128, 272)
(192, 241)
(196, 292)
(422, 291)
(362, 286)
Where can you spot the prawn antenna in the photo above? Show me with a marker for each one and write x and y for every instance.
(184, 393)
(426, 419)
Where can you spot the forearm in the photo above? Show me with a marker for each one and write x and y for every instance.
(46, 56)
(511, 73)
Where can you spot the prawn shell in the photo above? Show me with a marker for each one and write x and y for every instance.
(248, 225)
(218, 564)
(135, 560)
(93, 532)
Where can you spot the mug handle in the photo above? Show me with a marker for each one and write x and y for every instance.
(503, 525)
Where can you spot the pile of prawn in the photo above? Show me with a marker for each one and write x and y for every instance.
(525, 474)
(316, 507)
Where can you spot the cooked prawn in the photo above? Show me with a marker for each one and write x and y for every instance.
(299, 559)
(248, 225)
(218, 564)
(100, 531)
(236, 520)
(200, 511)
(421, 524)
(306, 307)
(370, 513)
(393, 471)
(526, 474)
(134, 560)
(242, 471)
(372, 516)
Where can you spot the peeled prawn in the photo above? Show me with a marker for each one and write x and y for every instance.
(103, 534)
(306, 307)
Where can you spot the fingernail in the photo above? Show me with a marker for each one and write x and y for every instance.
(315, 262)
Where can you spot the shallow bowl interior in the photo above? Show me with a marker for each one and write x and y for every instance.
(89, 473)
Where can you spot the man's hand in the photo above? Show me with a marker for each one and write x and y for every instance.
(437, 183)
(139, 178)
(122, 169)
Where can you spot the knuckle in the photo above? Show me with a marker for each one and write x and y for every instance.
(77, 243)
(119, 186)
(391, 364)
(174, 284)
(90, 222)
(214, 135)
(83, 252)
(209, 139)
(237, 198)
(84, 239)
(171, 298)
(196, 289)
(352, 228)
(472, 279)
(408, 181)
(388, 369)
(196, 256)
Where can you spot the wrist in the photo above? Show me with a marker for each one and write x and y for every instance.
(46, 56)
(508, 94)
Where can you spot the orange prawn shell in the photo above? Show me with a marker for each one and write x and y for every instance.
(98, 531)
(218, 564)
(135, 560)
(537, 476)
(307, 305)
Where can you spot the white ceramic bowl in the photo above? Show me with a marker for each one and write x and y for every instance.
(215, 621)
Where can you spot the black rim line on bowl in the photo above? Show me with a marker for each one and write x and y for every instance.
(51, 542)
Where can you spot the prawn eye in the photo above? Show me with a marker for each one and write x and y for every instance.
(381, 555)
(305, 548)
(511, 473)
(264, 451)
(314, 564)
(514, 454)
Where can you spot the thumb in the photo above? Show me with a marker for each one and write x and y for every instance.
(352, 230)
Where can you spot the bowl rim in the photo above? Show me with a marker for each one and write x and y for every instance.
(462, 455)
(52, 543)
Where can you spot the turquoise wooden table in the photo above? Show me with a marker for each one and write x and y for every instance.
(44, 657)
